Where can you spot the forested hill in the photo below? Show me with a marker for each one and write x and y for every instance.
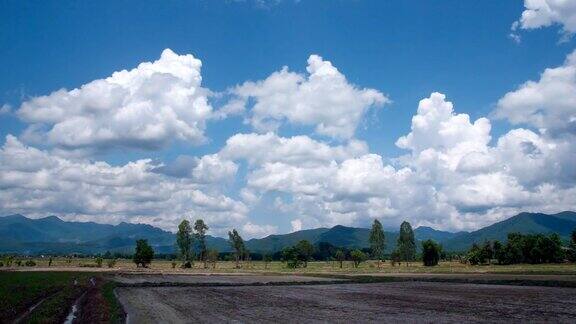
(562, 223)
(19, 234)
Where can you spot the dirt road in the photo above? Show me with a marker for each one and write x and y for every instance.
(398, 301)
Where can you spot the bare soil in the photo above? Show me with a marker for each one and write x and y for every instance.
(213, 279)
(377, 302)
(479, 276)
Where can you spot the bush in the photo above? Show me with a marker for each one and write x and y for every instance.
(431, 253)
(99, 261)
(292, 257)
(30, 263)
(187, 265)
(1, 264)
(174, 264)
(8, 260)
(358, 257)
(111, 263)
(144, 253)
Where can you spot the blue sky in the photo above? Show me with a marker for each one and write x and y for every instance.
(402, 49)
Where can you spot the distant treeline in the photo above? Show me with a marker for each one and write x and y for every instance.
(191, 247)
(524, 248)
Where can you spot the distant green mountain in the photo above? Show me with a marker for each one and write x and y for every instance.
(341, 236)
(274, 243)
(562, 223)
(47, 235)
(19, 234)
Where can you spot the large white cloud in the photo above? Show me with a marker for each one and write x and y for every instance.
(452, 175)
(250, 230)
(548, 104)
(146, 108)
(323, 99)
(269, 148)
(544, 13)
(451, 178)
(34, 182)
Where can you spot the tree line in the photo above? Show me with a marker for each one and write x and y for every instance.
(519, 248)
(524, 248)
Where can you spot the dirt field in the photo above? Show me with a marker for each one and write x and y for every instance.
(477, 277)
(236, 279)
(407, 301)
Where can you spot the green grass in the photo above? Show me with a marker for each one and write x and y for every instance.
(55, 308)
(20, 290)
(116, 312)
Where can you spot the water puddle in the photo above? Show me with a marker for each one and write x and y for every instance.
(74, 311)
(72, 316)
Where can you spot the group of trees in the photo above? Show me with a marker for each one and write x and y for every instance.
(188, 237)
(237, 244)
(523, 248)
(519, 248)
(299, 254)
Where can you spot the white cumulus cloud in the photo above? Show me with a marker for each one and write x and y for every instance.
(34, 182)
(323, 98)
(548, 104)
(544, 13)
(147, 107)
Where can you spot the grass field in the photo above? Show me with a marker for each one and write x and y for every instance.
(47, 297)
(313, 267)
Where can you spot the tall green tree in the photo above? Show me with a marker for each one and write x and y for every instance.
(200, 229)
(267, 258)
(212, 257)
(184, 240)
(143, 254)
(430, 253)
(406, 243)
(305, 251)
(237, 244)
(340, 257)
(487, 252)
(572, 247)
(499, 252)
(377, 241)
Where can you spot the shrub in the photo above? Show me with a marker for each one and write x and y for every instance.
(292, 257)
(144, 253)
(430, 253)
(8, 260)
(1, 264)
(99, 261)
(187, 265)
(111, 263)
(358, 257)
(174, 264)
(30, 263)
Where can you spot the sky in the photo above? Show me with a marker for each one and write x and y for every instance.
(281, 115)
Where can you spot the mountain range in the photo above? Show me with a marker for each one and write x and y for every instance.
(51, 235)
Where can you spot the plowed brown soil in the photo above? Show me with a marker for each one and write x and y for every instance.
(377, 302)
